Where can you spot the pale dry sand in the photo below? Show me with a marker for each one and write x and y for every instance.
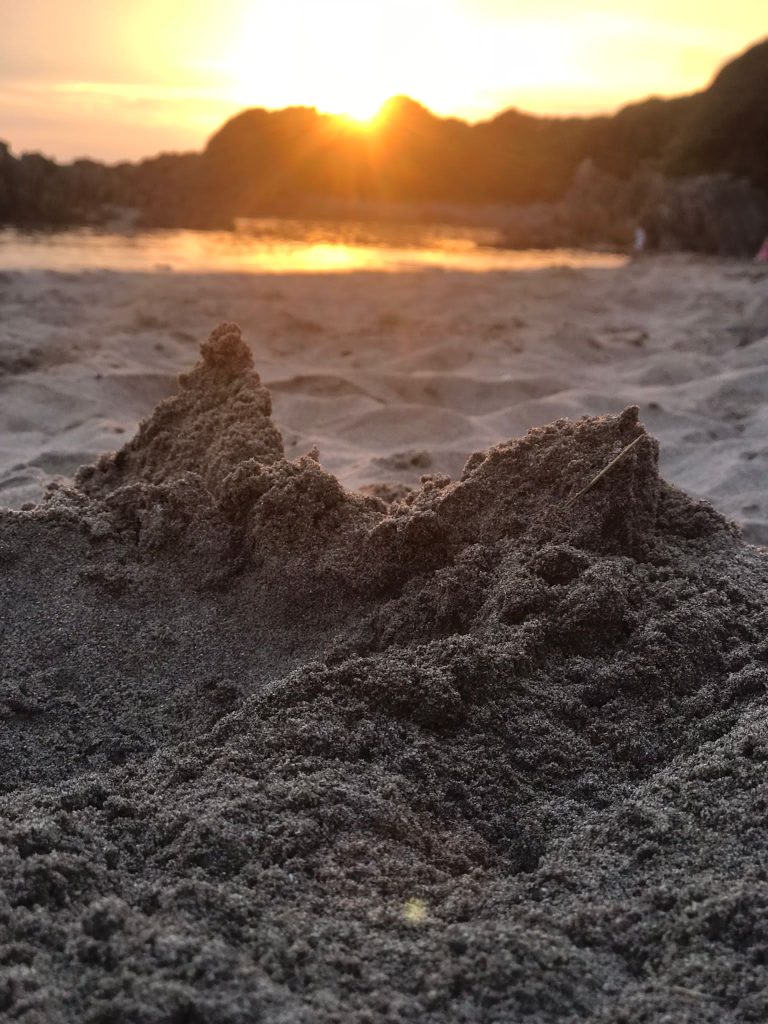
(395, 375)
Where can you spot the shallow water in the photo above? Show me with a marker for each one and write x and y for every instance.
(282, 246)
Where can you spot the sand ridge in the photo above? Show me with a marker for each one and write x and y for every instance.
(278, 750)
(395, 375)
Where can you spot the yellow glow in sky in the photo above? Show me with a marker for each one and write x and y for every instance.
(129, 78)
(471, 58)
(331, 55)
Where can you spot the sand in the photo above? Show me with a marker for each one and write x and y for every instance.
(393, 375)
(276, 749)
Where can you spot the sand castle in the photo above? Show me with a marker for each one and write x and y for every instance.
(251, 720)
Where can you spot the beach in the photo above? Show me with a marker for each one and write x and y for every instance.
(383, 513)
(384, 646)
(396, 374)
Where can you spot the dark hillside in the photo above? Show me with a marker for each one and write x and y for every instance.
(296, 161)
(728, 128)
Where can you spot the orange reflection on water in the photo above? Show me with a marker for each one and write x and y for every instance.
(279, 250)
(318, 258)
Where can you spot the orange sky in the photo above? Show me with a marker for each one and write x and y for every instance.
(127, 78)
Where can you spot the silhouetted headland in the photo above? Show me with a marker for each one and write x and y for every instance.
(692, 170)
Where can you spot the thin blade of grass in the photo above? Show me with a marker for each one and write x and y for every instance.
(603, 471)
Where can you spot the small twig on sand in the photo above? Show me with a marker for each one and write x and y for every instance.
(692, 993)
(603, 471)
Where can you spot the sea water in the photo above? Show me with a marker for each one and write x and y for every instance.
(282, 246)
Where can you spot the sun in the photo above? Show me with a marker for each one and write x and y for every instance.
(333, 56)
(359, 116)
(362, 110)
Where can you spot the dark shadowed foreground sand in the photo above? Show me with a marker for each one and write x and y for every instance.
(277, 751)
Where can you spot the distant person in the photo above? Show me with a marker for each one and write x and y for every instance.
(641, 239)
(762, 256)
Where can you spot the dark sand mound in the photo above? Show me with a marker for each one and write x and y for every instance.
(274, 751)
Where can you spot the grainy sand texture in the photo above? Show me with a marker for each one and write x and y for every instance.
(414, 725)
(393, 375)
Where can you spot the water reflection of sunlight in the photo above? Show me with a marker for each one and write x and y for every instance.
(291, 249)
(322, 258)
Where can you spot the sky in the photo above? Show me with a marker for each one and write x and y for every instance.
(124, 79)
